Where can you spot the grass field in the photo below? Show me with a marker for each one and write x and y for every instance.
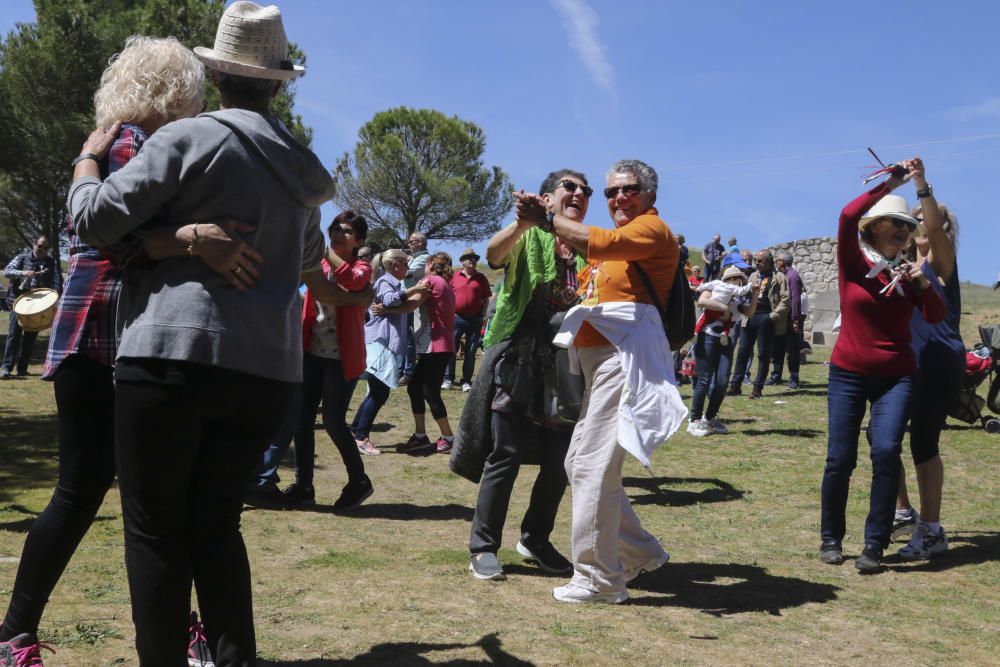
(389, 585)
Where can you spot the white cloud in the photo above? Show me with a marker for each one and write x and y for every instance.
(989, 109)
(581, 21)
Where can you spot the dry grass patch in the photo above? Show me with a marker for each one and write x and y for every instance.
(388, 585)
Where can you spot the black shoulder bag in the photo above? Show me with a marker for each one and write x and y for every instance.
(678, 315)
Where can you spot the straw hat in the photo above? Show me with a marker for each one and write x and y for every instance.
(890, 206)
(250, 42)
(469, 252)
(733, 272)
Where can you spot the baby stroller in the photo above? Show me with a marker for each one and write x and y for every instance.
(981, 363)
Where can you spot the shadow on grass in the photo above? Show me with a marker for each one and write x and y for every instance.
(717, 491)
(965, 548)
(399, 512)
(720, 589)
(813, 391)
(794, 432)
(29, 451)
(413, 653)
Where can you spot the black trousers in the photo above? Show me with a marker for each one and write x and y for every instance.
(184, 453)
(425, 384)
(789, 343)
(510, 432)
(760, 330)
(85, 400)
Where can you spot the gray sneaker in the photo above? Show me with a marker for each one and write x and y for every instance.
(924, 544)
(717, 427)
(486, 566)
(903, 524)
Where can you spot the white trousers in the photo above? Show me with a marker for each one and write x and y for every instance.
(607, 536)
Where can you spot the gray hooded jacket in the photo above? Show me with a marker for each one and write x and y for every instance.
(227, 164)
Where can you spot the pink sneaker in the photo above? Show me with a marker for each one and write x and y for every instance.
(367, 448)
(443, 445)
(198, 654)
(23, 650)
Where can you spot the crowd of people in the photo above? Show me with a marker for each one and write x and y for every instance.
(183, 343)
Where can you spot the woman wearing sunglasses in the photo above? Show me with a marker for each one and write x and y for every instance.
(872, 362)
(506, 411)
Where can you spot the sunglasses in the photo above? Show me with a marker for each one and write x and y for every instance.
(627, 190)
(899, 224)
(346, 231)
(364, 256)
(571, 187)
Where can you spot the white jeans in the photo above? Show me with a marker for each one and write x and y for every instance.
(607, 536)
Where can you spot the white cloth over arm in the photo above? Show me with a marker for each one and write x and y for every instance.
(651, 409)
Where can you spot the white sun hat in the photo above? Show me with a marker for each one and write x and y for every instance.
(890, 206)
(250, 42)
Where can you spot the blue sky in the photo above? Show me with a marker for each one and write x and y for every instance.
(755, 114)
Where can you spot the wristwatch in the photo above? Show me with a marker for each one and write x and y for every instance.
(547, 226)
(81, 157)
(925, 193)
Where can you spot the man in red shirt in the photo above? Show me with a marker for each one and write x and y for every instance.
(472, 295)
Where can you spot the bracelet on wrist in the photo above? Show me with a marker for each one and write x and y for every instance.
(548, 226)
(194, 239)
(926, 192)
(83, 156)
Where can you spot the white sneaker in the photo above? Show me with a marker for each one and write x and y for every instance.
(717, 427)
(924, 543)
(446, 384)
(466, 386)
(577, 594)
(699, 428)
(654, 564)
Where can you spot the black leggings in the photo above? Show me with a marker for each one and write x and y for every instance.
(184, 453)
(86, 401)
(425, 384)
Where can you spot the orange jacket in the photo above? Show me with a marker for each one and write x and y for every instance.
(608, 277)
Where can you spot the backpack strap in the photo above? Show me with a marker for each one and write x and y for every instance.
(648, 284)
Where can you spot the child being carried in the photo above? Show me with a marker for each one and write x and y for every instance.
(732, 285)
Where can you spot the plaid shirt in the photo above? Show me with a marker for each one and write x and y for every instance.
(47, 274)
(85, 321)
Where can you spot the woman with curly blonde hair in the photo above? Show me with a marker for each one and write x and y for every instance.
(150, 83)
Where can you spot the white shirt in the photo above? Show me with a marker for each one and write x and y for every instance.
(651, 408)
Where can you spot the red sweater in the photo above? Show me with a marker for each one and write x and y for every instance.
(353, 275)
(874, 335)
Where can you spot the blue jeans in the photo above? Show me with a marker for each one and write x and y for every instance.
(378, 394)
(323, 380)
(410, 357)
(470, 327)
(20, 343)
(712, 361)
(848, 395)
(267, 470)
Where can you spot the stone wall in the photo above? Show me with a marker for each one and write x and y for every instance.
(816, 262)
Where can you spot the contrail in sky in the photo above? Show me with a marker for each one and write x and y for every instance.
(581, 21)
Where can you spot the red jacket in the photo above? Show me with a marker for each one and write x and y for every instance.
(874, 335)
(353, 275)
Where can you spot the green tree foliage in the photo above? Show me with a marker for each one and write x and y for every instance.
(49, 71)
(419, 170)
